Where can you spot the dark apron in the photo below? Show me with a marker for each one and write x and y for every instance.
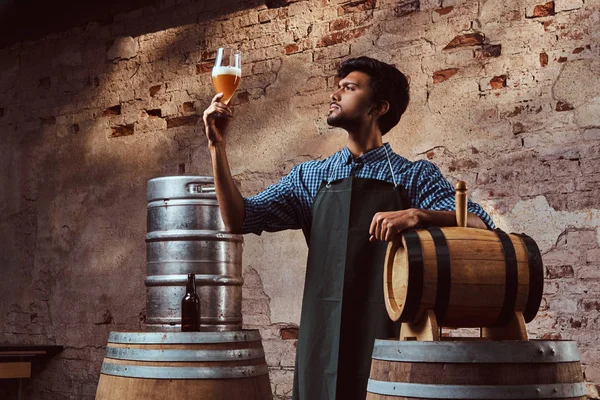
(343, 309)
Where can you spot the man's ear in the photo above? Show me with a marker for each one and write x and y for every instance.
(380, 108)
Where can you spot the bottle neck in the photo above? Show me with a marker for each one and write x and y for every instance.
(191, 284)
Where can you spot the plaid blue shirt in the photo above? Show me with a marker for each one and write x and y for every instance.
(287, 204)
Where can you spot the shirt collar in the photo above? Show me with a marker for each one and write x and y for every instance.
(370, 157)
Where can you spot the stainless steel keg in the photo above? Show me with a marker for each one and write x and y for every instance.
(186, 235)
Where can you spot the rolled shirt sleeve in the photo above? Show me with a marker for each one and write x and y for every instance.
(275, 209)
(434, 192)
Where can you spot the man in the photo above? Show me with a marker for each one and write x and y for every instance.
(348, 206)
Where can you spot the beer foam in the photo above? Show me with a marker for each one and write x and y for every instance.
(226, 71)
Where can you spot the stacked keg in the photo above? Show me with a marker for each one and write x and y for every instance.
(185, 234)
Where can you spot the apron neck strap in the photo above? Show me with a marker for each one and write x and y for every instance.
(388, 160)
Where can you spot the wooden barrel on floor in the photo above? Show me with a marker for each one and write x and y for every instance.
(184, 365)
(476, 370)
(469, 277)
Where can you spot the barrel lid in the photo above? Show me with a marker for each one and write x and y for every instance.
(181, 187)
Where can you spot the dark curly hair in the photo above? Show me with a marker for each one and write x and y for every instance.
(388, 84)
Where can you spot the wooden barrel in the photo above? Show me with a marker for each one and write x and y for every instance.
(184, 365)
(476, 370)
(469, 277)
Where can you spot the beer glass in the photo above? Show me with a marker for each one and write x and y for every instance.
(227, 72)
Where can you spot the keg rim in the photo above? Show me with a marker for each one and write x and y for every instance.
(252, 335)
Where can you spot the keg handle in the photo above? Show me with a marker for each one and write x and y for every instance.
(194, 188)
(461, 204)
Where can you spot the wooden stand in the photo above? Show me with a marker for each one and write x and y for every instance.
(428, 329)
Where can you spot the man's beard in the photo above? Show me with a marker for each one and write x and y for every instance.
(336, 119)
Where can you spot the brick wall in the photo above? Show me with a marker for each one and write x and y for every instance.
(505, 95)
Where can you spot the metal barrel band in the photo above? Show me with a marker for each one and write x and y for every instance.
(183, 337)
(183, 202)
(430, 391)
(137, 371)
(511, 280)
(529, 352)
(178, 267)
(201, 280)
(121, 353)
(442, 255)
(205, 320)
(182, 234)
(415, 275)
(536, 277)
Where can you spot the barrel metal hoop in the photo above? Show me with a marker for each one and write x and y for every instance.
(174, 267)
(123, 353)
(526, 352)
(442, 255)
(137, 371)
(430, 391)
(208, 320)
(201, 280)
(210, 202)
(536, 277)
(415, 275)
(183, 337)
(184, 234)
(511, 280)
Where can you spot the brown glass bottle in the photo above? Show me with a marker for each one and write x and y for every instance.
(190, 307)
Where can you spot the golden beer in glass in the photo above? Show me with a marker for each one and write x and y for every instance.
(227, 72)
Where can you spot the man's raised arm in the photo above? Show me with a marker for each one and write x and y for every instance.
(231, 203)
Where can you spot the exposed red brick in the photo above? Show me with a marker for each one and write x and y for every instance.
(518, 110)
(518, 128)
(114, 110)
(469, 39)
(559, 271)
(204, 68)
(430, 155)
(48, 120)
(488, 50)
(354, 6)
(442, 75)
(154, 113)
(543, 10)
(182, 121)
(578, 50)
(550, 336)
(562, 59)
(122, 130)
(562, 106)
(339, 24)
(291, 48)
(407, 7)
(340, 37)
(445, 10)
(547, 24)
(269, 15)
(154, 90)
(188, 107)
(208, 55)
(498, 82)
(590, 305)
(289, 333)
(543, 59)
